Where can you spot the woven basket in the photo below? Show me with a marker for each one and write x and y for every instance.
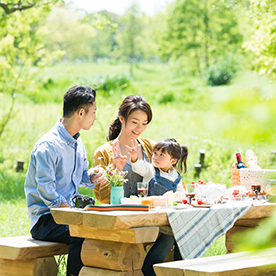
(247, 177)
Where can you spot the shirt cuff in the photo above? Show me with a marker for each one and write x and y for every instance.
(57, 202)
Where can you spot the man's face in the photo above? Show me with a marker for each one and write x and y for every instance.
(89, 117)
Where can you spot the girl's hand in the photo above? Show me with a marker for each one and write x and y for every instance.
(133, 151)
(118, 158)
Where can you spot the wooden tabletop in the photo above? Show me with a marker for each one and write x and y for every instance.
(131, 219)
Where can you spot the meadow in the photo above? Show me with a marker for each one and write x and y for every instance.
(221, 120)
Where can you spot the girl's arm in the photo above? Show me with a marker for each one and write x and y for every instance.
(144, 169)
(141, 167)
(179, 187)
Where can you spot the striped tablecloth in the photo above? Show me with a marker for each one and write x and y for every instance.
(196, 229)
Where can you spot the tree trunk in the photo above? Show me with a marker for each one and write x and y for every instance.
(206, 42)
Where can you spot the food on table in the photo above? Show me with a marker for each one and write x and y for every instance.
(147, 201)
(252, 160)
(160, 201)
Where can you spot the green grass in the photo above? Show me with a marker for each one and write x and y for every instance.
(14, 219)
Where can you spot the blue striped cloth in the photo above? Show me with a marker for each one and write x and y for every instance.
(196, 229)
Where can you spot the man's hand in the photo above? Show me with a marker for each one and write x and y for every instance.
(97, 175)
(64, 205)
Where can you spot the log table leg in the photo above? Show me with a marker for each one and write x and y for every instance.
(240, 227)
(110, 255)
(112, 252)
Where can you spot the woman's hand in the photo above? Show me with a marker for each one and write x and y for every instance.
(118, 158)
(97, 175)
(133, 151)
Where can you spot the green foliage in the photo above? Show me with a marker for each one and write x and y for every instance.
(200, 31)
(261, 44)
(74, 38)
(167, 98)
(222, 72)
(21, 52)
(259, 237)
(109, 83)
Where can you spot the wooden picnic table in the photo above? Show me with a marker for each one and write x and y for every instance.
(114, 239)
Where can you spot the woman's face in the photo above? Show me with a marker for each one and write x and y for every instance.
(136, 123)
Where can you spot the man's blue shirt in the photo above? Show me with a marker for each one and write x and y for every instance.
(58, 167)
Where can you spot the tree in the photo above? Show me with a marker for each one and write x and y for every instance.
(128, 32)
(262, 43)
(200, 31)
(21, 50)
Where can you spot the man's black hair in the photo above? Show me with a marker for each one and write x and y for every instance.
(78, 97)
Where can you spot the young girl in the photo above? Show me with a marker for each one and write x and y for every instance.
(161, 173)
(162, 177)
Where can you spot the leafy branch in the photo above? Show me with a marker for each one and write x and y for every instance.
(13, 7)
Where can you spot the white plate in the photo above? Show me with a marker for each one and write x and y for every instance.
(181, 206)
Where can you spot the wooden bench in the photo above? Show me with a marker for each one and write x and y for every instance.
(261, 262)
(26, 256)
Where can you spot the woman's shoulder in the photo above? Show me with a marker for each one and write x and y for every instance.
(104, 147)
(147, 145)
(103, 154)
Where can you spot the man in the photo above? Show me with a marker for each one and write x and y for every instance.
(58, 166)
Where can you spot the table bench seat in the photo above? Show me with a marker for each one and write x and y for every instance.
(261, 262)
(26, 256)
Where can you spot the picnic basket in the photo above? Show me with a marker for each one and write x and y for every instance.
(246, 177)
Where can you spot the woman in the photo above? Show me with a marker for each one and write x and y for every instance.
(133, 117)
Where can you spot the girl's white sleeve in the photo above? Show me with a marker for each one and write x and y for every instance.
(179, 187)
(144, 169)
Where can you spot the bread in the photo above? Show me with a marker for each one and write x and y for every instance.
(252, 160)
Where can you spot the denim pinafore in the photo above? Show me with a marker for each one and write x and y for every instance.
(159, 185)
(130, 187)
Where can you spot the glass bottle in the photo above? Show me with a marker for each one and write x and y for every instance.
(239, 160)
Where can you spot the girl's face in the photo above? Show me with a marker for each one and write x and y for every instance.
(162, 160)
(136, 123)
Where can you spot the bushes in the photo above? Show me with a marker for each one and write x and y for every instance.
(221, 72)
(110, 82)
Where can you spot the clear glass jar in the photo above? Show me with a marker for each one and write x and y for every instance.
(271, 190)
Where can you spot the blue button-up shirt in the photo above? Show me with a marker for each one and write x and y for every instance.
(58, 167)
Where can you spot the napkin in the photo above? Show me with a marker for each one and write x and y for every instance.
(196, 229)
(212, 192)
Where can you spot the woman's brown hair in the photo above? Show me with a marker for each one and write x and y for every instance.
(129, 104)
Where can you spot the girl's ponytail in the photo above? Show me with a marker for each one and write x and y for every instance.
(183, 159)
(114, 129)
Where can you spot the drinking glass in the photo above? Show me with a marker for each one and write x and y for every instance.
(190, 190)
(142, 188)
(256, 188)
